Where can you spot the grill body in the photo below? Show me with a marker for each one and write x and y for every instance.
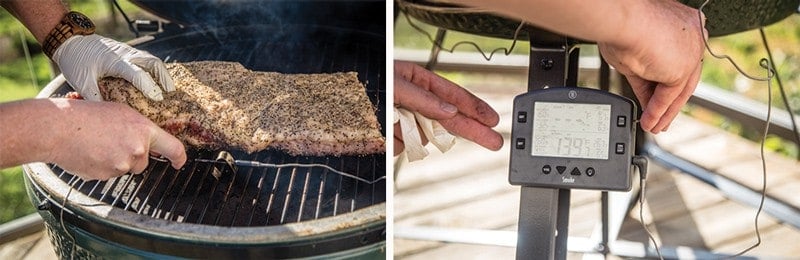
(253, 212)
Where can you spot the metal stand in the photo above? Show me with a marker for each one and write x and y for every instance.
(544, 212)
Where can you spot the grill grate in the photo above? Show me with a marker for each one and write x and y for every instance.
(252, 196)
(257, 196)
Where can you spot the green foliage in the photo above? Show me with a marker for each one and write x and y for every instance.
(15, 78)
(14, 201)
(777, 144)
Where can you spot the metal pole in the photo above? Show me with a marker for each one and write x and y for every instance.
(544, 212)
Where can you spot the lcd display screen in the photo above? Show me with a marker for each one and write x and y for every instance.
(571, 130)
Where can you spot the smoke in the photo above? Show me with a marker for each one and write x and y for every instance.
(217, 13)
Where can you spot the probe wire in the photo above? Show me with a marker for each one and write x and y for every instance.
(768, 65)
(486, 55)
(771, 72)
(784, 97)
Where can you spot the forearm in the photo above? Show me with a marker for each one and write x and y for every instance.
(26, 130)
(599, 21)
(39, 16)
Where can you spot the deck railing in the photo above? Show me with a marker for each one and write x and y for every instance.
(750, 113)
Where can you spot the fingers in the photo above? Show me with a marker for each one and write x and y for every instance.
(89, 90)
(677, 104)
(659, 103)
(139, 161)
(642, 89)
(138, 77)
(156, 67)
(467, 103)
(474, 131)
(168, 146)
(665, 101)
(420, 100)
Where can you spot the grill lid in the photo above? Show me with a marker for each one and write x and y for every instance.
(724, 16)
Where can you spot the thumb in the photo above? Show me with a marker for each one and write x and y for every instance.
(87, 87)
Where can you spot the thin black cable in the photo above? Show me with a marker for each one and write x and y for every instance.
(784, 97)
(641, 164)
(127, 20)
(650, 236)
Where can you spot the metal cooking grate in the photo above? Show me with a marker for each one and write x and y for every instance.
(252, 196)
(257, 196)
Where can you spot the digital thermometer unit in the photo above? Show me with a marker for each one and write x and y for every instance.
(572, 138)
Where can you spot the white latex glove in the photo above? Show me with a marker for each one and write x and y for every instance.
(85, 59)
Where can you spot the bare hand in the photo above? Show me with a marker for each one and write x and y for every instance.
(661, 57)
(460, 112)
(101, 140)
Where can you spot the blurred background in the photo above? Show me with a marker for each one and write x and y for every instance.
(459, 204)
(745, 48)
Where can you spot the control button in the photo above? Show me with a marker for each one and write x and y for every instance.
(522, 117)
(590, 172)
(546, 169)
(561, 169)
(520, 143)
(622, 121)
(575, 171)
(620, 148)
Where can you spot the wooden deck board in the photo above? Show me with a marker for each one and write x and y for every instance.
(17, 249)
(463, 251)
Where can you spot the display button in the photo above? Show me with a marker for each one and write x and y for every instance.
(622, 121)
(522, 117)
(575, 171)
(620, 148)
(561, 169)
(520, 143)
(590, 172)
(546, 169)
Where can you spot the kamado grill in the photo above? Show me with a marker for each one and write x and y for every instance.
(248, 211)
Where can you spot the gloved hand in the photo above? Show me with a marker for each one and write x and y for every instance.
(85, 59)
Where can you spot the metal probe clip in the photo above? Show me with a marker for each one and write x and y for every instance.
(226, 158)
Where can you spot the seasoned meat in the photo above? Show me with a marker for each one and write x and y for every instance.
(222, 105)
